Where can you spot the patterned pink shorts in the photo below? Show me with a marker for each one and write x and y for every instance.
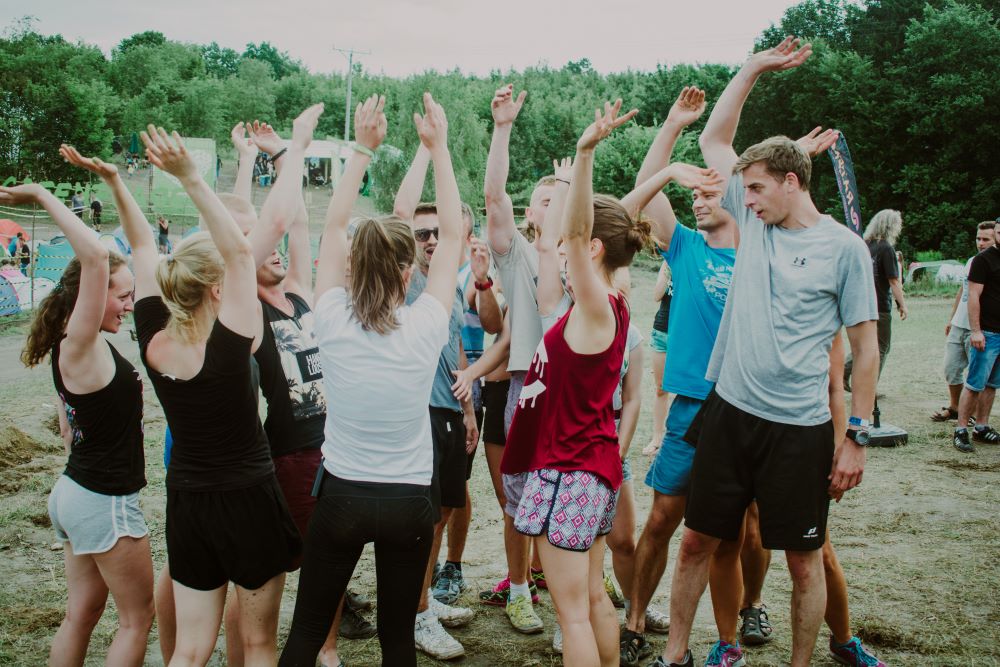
(571, 508)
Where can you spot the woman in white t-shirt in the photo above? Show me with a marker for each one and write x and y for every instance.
(379, 358)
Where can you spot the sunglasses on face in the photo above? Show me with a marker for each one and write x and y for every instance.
(424, 235)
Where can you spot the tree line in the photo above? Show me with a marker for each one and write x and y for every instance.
(911, 84)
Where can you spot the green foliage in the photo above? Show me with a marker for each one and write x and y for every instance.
(910, 83)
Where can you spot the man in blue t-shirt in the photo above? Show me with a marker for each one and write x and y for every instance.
(701, 264)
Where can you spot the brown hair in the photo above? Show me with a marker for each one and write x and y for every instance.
(184, 277)
(622, 236)
(381, 250)
(780, 156)
(52, 314)
(988, 224)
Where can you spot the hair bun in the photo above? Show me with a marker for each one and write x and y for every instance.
(639, 235)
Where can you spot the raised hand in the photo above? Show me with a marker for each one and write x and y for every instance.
(19, 195)
(603, 125)
(784, 56)
(479, 260)
(264, 137)
(304, 126)
(244, 145)
(692, 177)
(105, 170)
(170, 156)
(818, 140)
(432, 127)
(688, 107)
(370, 123)
(563, 169)
(504, 107)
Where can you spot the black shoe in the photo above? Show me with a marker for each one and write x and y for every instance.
(633, 647)
(356, 602)
(660, 662)
(962, 443)
(354, 626)
(989, 435)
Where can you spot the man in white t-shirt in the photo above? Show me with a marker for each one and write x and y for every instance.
(957, 332)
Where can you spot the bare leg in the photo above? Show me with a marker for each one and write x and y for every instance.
(837, 616)
(603, 618)
(87, 597)
(569, 584)
(458, 528)
(328, 656)
(621, 540)
(808, 602)
(494, 453)
(690, 579)
(984, 406)
(199, 615)
(435, 551)
(517, 548)
(166, 618)
(231, 629)
(954, 394)
(127, 569)
(966, 404)
(259, 611)
(754, 559)
(726, 586)
(651, 555)
(660, 402)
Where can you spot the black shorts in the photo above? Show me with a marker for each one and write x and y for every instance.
(246, 536)
(472, 455)
(740, 457)
(450, 459)
(494, 404)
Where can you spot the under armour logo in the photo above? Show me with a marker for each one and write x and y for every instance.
(799, 261)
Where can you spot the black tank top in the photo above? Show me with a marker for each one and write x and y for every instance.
(291, 379)
(662, 317)
(106, 454)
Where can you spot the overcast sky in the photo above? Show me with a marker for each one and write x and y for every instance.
(407, 37)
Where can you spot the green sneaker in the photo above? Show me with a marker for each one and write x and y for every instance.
(522, 615)
(616, 597)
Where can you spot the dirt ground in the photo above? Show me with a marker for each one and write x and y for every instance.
(918, 541)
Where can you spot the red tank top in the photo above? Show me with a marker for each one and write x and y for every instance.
(564, 417)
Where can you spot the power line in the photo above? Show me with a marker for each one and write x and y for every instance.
(349, 54)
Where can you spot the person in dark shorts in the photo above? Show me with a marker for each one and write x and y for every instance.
(94, 505)
(226, 517)
(96, 208)
(663, 293)
(163, 234)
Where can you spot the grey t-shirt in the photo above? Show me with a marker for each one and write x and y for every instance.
(791, 292)
(441, 394)
(518, 270)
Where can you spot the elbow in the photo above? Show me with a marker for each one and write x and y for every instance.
(98, 254)
(493, 196)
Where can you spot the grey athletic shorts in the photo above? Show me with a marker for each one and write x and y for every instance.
(93, 522)
(956, 355)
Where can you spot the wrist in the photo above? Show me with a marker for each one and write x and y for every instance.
(360, 147)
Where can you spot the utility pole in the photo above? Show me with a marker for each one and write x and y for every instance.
(349, 54)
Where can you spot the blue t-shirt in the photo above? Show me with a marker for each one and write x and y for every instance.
(701, 276)
(441, 394)
(473, 336)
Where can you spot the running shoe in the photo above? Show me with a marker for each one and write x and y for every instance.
(853, 653)
(724, 654)
(431, 638)
(962, 443)
(657, 621)
(538, 577)
(450, 617)
(987, 434)
(660, 662)
(522, 615)
(616, 597)
(557, 639)
(354, 626)
(497, 596)
(755, 627)
(356, 601)
(449, 584)
(633, 648)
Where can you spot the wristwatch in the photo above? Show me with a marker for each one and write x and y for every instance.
(861, 438)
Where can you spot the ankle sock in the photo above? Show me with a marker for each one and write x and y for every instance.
(961, 429)
(456, 565)
(519, 589)
(982, 427)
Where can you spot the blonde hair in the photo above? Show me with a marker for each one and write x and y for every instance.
(185, 278)
(780, 156)
(884, 226)
(381, 250)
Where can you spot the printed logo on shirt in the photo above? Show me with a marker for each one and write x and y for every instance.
(532, 391)
(811, 533)
(799, 261)
(716, 279)
(299, 354)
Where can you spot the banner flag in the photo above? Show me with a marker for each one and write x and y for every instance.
(843, 168)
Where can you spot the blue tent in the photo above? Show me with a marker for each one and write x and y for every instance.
(51, 259)
(9, 304)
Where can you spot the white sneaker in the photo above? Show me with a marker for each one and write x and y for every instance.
(657, 621)
(431, 638)
(451, 617)
(557, 639)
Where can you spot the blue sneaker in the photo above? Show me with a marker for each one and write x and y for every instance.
(724, 654)
(853, 653)
(449, 584)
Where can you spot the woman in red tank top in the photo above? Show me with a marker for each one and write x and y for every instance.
(563, 439)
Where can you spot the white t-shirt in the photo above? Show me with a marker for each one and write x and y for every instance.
(377, 424)
(961, 317)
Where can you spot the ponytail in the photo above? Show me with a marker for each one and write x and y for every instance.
(184, 278)
(381, 251)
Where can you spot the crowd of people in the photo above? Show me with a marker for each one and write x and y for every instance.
(378, 383)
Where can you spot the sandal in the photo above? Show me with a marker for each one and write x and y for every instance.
(756, 628)
(946, 413)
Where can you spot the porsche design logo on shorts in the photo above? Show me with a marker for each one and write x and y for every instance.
(811, 533)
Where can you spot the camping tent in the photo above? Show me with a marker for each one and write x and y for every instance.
(9, 305)
(51, 260)
(26, 299)
(8, 230)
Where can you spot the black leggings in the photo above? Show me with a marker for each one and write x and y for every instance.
(399, 519)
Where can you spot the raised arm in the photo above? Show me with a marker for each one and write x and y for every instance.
(84, 326)
(550, 285)
(239, 309)
(369, 131)
(500, 226)
(408, 195)
(649, 196)
(246, 154)
(443, 272)
(137, 228)
(483, 300)
(717, 139)
(589, 290)
(662, 280)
